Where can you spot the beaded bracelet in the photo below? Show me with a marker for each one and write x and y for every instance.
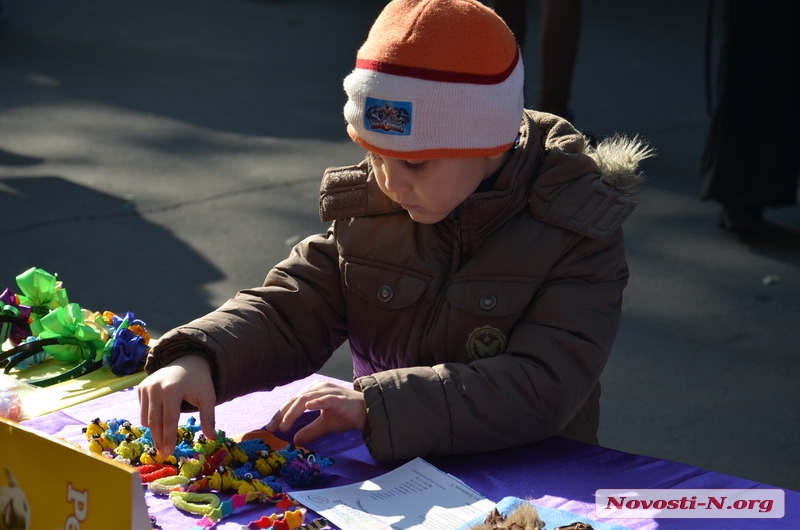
(199, 503)
(165, 485)
(153, 472)
(227, 507)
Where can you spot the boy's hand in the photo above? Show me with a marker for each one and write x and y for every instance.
(162, 392)
(341, 409)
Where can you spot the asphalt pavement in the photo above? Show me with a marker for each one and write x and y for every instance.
(159, 156)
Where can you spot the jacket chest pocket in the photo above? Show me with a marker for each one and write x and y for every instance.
(491, 298)
(384, 288)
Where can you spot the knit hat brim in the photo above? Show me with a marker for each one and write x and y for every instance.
(404, 117)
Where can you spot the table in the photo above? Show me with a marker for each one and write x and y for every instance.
(40, 401)
(557, 472)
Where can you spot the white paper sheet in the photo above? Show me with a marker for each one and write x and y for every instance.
(416, 495)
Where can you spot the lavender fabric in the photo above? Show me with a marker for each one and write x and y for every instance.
(555, 473)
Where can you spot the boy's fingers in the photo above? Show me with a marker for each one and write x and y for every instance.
(169, 431)
(208, 420)
(310, 432)
(277, 418)
(293, 412)
(288, 414)
(151, 417)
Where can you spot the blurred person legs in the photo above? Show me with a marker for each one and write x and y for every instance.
(559, 34)
(750, 160)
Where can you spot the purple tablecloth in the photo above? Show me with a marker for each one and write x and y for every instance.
(556, 473)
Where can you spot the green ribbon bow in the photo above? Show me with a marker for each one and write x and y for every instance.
(67, 323)
(41, 291)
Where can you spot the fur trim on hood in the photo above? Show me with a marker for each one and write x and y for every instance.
(568, 192)
(618, 158)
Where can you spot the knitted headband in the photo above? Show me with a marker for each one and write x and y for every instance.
(436, 79)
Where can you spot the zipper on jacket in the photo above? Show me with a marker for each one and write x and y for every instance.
(455, 262)
(441, 297)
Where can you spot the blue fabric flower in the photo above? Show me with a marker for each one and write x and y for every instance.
(127, 354)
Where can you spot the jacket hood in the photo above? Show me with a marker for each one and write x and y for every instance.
(616, 159)
(584, 188)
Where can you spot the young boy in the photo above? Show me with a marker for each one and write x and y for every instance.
(475, 262)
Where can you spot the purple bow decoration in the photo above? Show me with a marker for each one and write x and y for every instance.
(11, 307)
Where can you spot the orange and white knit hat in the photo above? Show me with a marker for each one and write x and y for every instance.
(436, 79)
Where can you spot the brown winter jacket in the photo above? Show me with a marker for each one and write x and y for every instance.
(486, 330)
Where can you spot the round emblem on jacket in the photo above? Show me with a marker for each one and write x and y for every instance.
(485, 342)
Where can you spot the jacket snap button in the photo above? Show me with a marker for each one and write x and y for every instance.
(385, 293)
(488, 303)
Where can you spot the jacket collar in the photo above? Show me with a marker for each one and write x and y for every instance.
(549, 173)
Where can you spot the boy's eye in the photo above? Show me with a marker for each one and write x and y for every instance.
(414, 165)
(411, 165)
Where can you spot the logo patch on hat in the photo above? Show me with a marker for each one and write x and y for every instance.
(388, 117)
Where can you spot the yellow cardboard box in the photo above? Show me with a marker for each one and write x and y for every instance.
(49, 484)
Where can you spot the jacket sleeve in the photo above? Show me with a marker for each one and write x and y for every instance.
(270, 335)
(553, 360)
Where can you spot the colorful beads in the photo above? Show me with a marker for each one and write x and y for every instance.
(155, 472)
(286, 521)
(290, 520)
(200, 469)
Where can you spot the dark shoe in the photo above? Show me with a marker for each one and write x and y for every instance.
(745, 221)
